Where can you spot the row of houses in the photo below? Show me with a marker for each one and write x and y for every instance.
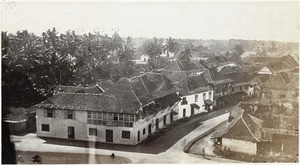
(128, 111)
(255, 134)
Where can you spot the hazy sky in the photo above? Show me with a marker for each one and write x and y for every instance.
(200, 20)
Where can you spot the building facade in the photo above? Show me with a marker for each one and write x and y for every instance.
(125, 114)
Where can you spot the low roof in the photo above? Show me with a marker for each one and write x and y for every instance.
(181, 65)
(192, 84)
(282, 80)
(242, 127)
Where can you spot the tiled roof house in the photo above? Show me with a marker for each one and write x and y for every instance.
(241, 134)
(122, 114)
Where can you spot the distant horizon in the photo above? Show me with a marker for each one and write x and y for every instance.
(260, 21)
(145, 37)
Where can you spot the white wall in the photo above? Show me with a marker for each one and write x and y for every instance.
(59, 127)
(240, 146)
(191, 99)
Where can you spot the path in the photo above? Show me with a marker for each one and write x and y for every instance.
(174, 155)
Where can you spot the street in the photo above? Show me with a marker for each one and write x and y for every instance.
(159, 148)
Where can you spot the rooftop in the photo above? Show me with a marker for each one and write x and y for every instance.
(243, 127)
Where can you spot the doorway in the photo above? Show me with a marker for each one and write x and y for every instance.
(156, 124)
(71, 132)
(109, 135)
(149, 129)
(192, 111)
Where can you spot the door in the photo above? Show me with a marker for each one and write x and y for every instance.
(149, 129)
(109, 135)
(71, 132)
(171, 117)
(165, 120)
(157, 123)
(192, 111)
(138, 136)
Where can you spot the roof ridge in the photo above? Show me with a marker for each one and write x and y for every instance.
(135, 94)
(250, 129)
(143, 83)
(188, 87)
(230, 126)
(164, 83)
(178, 64)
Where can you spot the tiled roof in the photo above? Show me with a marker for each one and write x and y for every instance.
(105, 85)
(77, 89)
(181, 65)
(192, 84)
(242, 127)
(250, 69)
(239, 77)
(281, 80)
(89, 102)
(290, 61)
(215, 61)
(160, 80)
(218, 78)
(176, 77)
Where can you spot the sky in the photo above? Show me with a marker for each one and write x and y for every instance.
(264, 20)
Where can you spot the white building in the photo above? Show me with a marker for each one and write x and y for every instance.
(196, 96)
(241, 133)
(127, 113)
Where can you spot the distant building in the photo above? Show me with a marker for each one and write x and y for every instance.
(142, 60)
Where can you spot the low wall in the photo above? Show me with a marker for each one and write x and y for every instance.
(16, 127)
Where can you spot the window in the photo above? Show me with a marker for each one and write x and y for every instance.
(196, 98)
(282, 96)
(184, 102)
(111, 119)
(69, 115)
(115, 117)
(184, 111)
(209, 95)
(93, 131)
(89, 115)
(45, 127)
(241, 88)
(204, 96)
(144, 131)
(126, 134)
(49, 113)
(232, 89)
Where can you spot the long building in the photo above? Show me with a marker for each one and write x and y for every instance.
(127, 113)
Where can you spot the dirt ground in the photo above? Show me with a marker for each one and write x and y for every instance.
(70, 158)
